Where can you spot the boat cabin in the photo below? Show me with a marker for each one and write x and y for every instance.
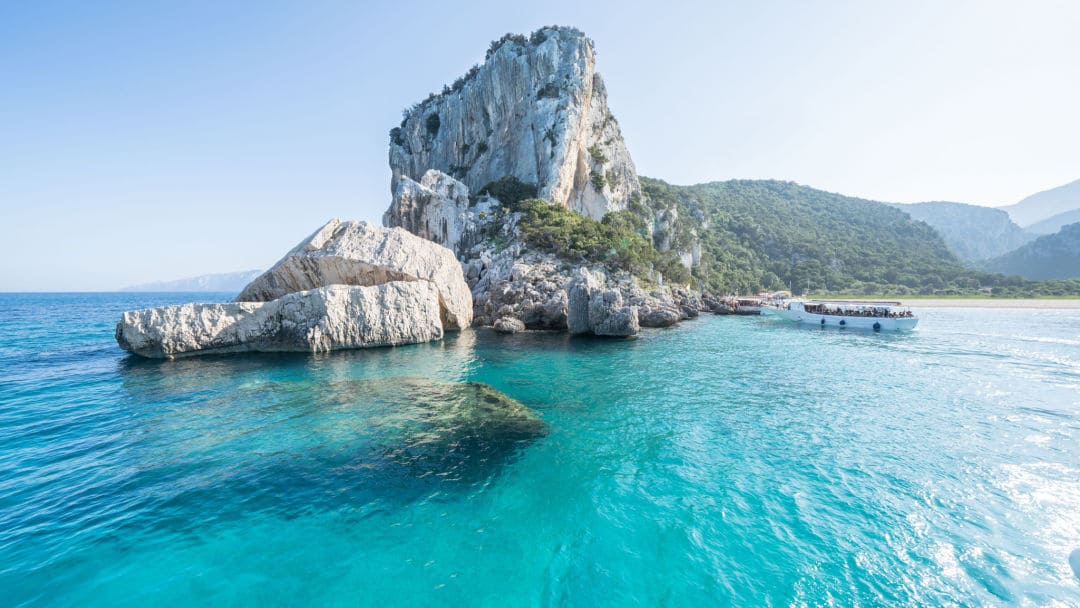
(845, 308)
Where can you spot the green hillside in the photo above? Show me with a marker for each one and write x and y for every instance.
(764, 234)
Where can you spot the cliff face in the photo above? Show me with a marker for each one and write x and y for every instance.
(531, 122)
(535, 110)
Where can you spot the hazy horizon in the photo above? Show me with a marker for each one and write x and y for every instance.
(149, 143)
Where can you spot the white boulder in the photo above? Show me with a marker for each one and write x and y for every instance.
(360, 253)
(319, 320)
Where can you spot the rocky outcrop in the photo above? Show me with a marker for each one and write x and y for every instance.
(319, 320)
(659, 316)
(359, 253)
(536, 289)
(438, 209)
(508, 325)
(594, 309)
(531, 288)
(537, 110)
(531, 121)
(664, 308)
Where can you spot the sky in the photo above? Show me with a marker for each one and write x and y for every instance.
(144, 141)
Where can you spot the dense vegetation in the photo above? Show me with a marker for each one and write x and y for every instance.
(620, 240)
(778, 235)
(763, 235)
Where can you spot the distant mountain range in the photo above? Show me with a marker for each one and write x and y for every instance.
(1005, 239)
(1054, 256)
(221, 282)
(1046, 204)
(1054, 223)
(971, 232)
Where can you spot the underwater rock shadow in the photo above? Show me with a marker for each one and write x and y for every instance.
(296, 448)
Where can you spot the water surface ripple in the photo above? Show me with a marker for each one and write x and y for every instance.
(727, 461)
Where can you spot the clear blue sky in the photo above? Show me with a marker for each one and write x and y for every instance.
(153, 140)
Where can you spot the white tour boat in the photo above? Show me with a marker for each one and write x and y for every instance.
(748, 306)
(878, 316)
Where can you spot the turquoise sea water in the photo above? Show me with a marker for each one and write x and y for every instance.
(729, 461)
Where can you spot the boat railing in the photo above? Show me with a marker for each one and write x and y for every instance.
(850, 310)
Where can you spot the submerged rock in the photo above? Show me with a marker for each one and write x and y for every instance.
(535, 110)
(428, 411)
(329, 443)
(319, 320)
(359, 253)
(417, 429)
(419, 432)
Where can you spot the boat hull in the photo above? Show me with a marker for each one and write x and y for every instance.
(845, 322)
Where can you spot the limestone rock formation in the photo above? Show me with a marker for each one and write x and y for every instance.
(319, 320)
(537, 110)
(508, 325)
(359, 253)
(534, 115)
(536, 287)
(593, 309)
(531, 288)
(438, 208)
(659, 316)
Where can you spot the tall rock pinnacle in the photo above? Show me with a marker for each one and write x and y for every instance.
(536, 110)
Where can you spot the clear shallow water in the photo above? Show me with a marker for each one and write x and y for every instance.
(728, 461)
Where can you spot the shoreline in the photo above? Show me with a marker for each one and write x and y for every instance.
(1030, 303)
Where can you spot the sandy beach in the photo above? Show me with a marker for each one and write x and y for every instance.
(992, 303)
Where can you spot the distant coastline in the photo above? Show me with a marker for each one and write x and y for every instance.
(217, 282)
